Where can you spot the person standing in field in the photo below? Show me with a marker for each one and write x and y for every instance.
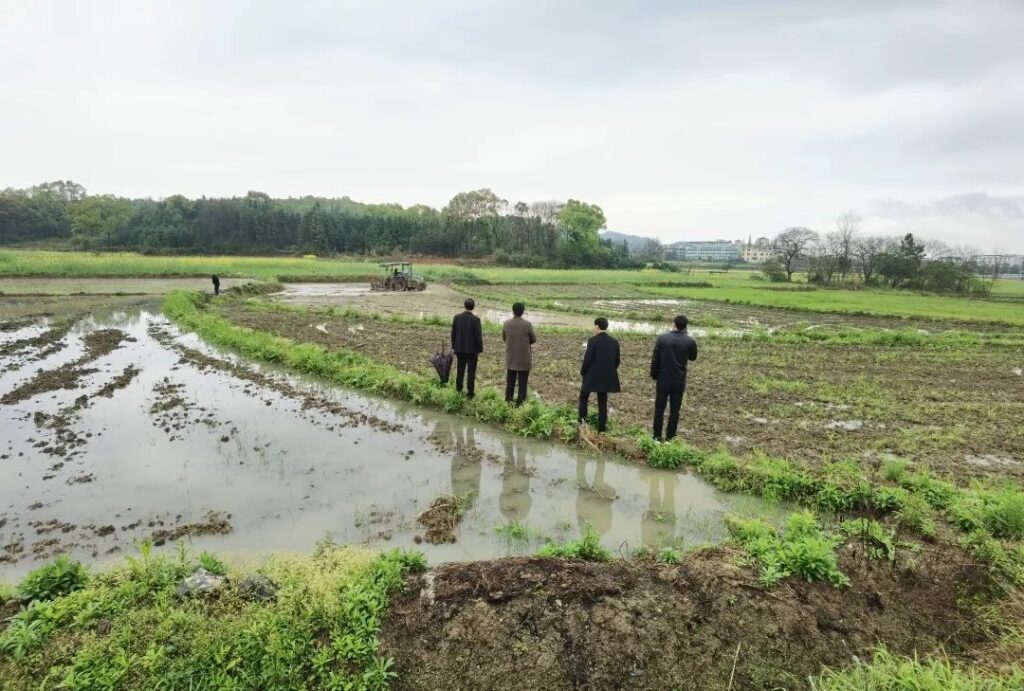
(467, 344)
(519, 338)
(600, 372)
(672, 351)
(216, 284)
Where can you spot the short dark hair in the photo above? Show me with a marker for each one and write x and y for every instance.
(469, 304)
(681, 321)
(601, 323)
(518, 308)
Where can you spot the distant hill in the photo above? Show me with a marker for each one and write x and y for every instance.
(635, 242)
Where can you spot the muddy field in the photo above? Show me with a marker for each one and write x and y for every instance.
(957, 411)
(118, 428)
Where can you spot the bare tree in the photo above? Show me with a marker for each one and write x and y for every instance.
(792, 244)
(847, 228)
(867, 252)
(547, 211)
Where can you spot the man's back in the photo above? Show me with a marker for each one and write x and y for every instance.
(467, 334)
(518, 335)
(672, 352)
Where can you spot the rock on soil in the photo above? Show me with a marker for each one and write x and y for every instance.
(531, 623)
(257, 588)
(202, 582)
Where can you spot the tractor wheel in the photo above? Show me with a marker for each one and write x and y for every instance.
(398, 283)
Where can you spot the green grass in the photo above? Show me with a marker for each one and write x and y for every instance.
(587, 548)
(888, 672)
(875, 302)
(803, 550)
(125, 628)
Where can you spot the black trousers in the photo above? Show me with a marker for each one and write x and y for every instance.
(602, 408)
(465, 371)
(674, 398)
(512, 376)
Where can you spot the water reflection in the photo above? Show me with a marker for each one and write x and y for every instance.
(658, 523)
(514, 502)
(593, 497)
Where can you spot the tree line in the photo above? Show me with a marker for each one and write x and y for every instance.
(477, 223)
(845, 256)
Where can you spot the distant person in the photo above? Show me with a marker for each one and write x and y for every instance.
(216, 284)
(519, 338)
(600, 372)
(467, 344)
(672, 352)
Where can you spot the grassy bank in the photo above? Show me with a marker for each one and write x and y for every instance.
(296, 623)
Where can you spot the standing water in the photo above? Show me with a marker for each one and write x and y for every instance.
(125, 429)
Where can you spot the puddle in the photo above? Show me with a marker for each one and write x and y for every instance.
(246, 459)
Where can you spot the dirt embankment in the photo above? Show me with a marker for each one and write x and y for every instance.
(531, 623)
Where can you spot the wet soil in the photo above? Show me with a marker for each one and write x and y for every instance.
(938, 408)
(530, 623)
(96, 344)
(441, 519)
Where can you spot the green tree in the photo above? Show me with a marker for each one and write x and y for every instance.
(582, 222)
(469, 206)
(94, 219)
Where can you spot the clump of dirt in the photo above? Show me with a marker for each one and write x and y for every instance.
(441, 519)
(41, 346)
(525, 623)
(213, 523)
(47, 380)
(103, 342)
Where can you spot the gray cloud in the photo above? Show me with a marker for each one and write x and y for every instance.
(681, 118)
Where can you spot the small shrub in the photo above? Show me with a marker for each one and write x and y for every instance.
(803, 550)
(514, 531)
(211, 563)
(894, 469)
(916, 514)
(587, 548)
(53, 580)
(670, 555)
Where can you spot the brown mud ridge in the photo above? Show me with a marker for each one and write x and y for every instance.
(65, 441)
(310, 401)
(532, 623)
(441, 519)
(42, 346)
(213, 523)
(96, 343)
(54, 536)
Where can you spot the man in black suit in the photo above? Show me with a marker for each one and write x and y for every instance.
(467, 344)
(600, 372)
(672, 352)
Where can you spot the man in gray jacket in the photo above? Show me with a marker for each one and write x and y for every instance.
(672, 352)
(519, 338)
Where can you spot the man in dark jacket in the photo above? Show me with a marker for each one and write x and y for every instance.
(600, 372)
(672, 352)
(467, 343)
(216, 284)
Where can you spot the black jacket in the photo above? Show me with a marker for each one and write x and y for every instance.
(467, 335)
(600, 368)
(672, 351)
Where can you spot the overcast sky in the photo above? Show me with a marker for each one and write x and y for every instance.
(681, 118)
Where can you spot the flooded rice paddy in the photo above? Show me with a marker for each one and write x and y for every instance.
(117, 428)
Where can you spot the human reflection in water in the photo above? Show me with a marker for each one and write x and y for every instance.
(658, 524)
(460, 441)
(593, 498)
(515, 500)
